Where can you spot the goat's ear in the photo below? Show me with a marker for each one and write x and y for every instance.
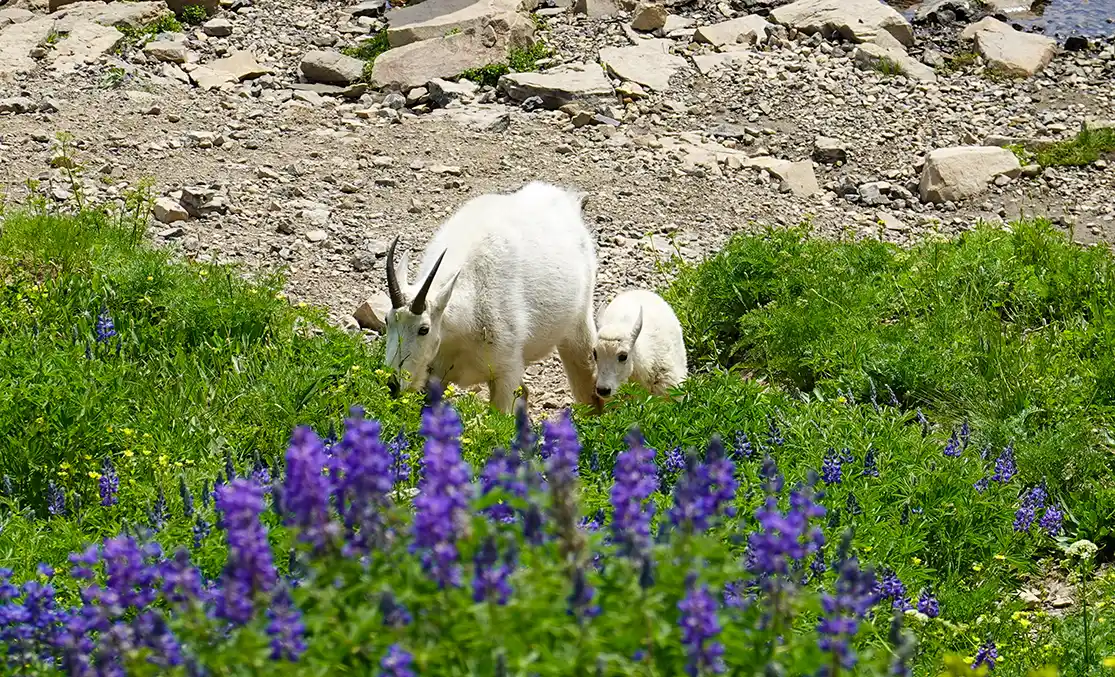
(582, 198)
(445, 293)
(638, 328)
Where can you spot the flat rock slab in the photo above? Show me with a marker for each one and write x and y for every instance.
(16, 43)
(645, 64)
(416, 64)
(119, 14)
(211, 78)
(870, 55)
(962, 172)
(797, 177)
(438, 18)
(583, 83)
(718, 62)
(240, 65)
(84, 43)
(748, 30)
(477, 118)
(15, 15)
(1010, 51)
(855, 20)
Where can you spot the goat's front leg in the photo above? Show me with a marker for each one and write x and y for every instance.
(502, 386)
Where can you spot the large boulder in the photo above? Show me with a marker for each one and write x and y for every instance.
(648, 63)
(747, 30)
(417, 63)
(85, 41)
(331, 67)
(439, 18)
(582, 83)
(963, 172)
(1010, 51)
(855, 20)
(16, 43)
(118, 14)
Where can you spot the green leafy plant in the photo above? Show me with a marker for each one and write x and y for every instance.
(367, 50)
(193, 15)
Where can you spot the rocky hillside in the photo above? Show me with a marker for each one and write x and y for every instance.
(305, 135)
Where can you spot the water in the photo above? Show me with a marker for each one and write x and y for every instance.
(1091, 18)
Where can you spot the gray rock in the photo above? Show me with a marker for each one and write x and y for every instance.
(241, 65)
(855, 20)
(171, 51)
(18, 104)
(353, 91)
(748, 30)
(963, 172)
(797, 177)
(442, 92)
(415, 64)
(434, 19)
(829, 150)
(169, 210)
(647, 63)
(945, 11)
(217, 28)
(331, 67)
(580, 83)
(649, 16)
(870, 55)
(317, 235)
(1010, 51)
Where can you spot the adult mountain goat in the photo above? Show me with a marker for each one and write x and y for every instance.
(505, 280)
(639, 339)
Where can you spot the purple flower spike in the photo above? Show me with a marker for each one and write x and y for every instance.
(1005, 468)
(250, 570)
(986, 655)
(285, 629)
(1032, 501)
(365, 483)
(636, 478)
(108, 484)
(490, 578)
(855, 594)
(396, 663)
(1052, 520)
(831, 467)
(928, 605)
(306, 490)
(699, 629)
(705, 491)
(444, 493)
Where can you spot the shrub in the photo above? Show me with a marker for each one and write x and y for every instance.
(193, 15)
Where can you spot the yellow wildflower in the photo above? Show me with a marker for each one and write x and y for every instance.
(146, 452)
(109, 429)
(356, 367)
(163, 460)
(1109, 662)
(203, 272)
(868, 548)
(127, 431)
(465, 440)
(380, 372)
(1025, 622)
(178, 464)
(1000, 557)
(88, 457)
(94, 475)
(128, 453)
(149, 278)
(147, 435)
(64, 465)
(39, 420)
(302, 304)
(280, 296)
(916, 561)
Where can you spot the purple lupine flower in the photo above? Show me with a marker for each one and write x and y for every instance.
(6, 487)
(206, 494)
(394, 613)
(854, 595)
(285, 628)
(892, 399)
(953, 449)
(489, 582)
(818, 566)
(105, 327)
(924, 422)
(870, 463)
(306, 489)
(1052, 520)
(831, 467)
(400, 459)
(928, 605)
(445, 492)
(965, 434)
(853, 507)
(1032, 501)
(674, 461)
(986, 655)
(981, 484)
(891, 587)
(580, 603)
(743, 446)
(201, 530)
(735, 595)
(158, 513)
(249, 569)
(108, 484)
(181, 581)
(775, 437)
(699, 629)
(772, 481)
(55, 500)
(396, 663)
(187, 498)
(561, 449)
(593, 523)
(525, 442)
(706, 490)
(365, 483)
(502, 471)
(785, 538)
(1005, 468)
(636, 478)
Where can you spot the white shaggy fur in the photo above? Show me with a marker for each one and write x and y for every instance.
(639, 339)
(516, 281)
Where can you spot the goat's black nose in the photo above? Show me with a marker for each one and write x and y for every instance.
(603, 391)
(393, 385)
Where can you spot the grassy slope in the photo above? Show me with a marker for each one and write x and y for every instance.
(1009, 331)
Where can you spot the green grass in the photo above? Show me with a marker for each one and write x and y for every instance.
(1011, 331)
(367, 50)
(958, 62)
(1085, 148)
(193, 15)
(518, 61)
(888, 67)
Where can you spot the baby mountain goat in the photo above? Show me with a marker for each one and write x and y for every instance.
(505, 280)
(639, 339)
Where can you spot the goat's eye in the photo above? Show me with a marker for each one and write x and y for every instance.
(422, 331)
(622, 357)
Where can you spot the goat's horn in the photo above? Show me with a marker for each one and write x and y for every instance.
(393, 290)
(418, 305)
